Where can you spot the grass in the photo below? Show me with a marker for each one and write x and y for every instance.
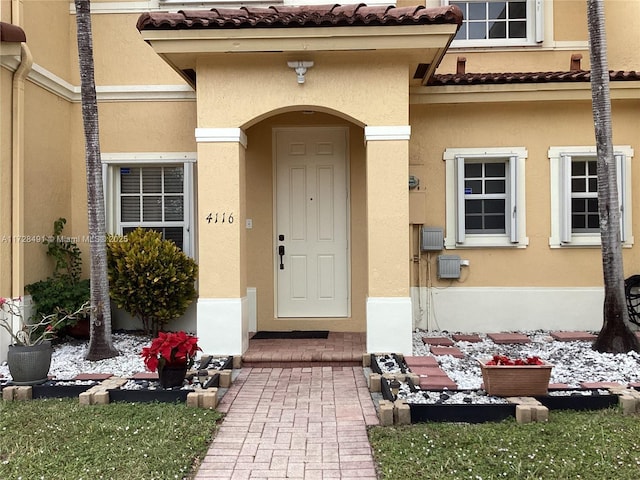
(60, 439)
(572, 445)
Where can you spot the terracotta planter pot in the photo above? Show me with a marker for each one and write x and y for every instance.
(29, 365)
(172, 375)
(516, 380)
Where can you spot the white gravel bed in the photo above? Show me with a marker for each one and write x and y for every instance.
(573, 362)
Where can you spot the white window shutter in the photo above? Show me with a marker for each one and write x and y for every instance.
(460, 210)
(565, 199)
(620, 180)
(539, 20)
(513, 199)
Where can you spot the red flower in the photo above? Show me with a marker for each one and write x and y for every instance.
(173, 348)
(504, 360)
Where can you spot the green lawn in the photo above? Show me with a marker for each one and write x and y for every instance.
(595, 445)
(60, 439)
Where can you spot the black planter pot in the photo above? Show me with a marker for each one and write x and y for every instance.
(29, 365)
(171, 376)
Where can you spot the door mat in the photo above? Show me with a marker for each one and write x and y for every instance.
(295, 334)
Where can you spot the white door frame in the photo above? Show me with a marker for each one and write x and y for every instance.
(274, 239)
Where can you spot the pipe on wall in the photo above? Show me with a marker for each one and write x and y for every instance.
(17, 159)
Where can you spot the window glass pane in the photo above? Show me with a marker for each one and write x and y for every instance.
(578, 168)
(578, 185)
(473, 222)
(593, 222)
(495, 223)
(517, 29)
(592, 205)
(462, 33)
(497, 10)
(579, 205)
(173, 180)
(593, 167)
(593, 185)
(129, 180)
(152, 180)
(497, 30)
(477, 11)
(494, 206)
(517, 10)
(495, 186)
(477, 31)
(473, 206)
(174, 208)
(130, 209)
(495, 169)
(472, 187)
(175, 234)
(152, 209)
(473, 170)
(578, 222)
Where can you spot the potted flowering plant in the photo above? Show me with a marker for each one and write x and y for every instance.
(507, 377)
(29, 356)
(171, 354)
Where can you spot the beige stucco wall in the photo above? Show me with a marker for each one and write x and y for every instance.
(47, 175)
(121, 57)
(535, 126)
(374, 91)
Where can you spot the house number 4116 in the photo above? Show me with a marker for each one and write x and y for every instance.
(219, 217)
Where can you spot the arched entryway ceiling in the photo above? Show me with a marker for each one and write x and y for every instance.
(418, 34)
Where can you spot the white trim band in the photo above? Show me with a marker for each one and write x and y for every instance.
(389, 325)
(215, 135)
(392, 132)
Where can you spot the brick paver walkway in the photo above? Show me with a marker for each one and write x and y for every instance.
(300, 423)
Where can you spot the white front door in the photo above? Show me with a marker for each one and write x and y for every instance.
(311, 247)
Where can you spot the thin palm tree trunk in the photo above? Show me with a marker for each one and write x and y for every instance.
(100, 342)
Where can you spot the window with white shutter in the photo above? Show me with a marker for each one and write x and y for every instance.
(485, 197)
(574, 196)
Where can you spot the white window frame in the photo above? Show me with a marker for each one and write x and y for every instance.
(111, 163)
(515, 235)
(560, 175)
(535, 28)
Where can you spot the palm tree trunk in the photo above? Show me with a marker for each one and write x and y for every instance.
(100, 342)
(615, 335)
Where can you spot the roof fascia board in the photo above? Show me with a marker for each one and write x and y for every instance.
(552, 92)
(299, 39)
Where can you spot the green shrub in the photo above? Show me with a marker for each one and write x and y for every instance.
(64, 291)
(150, 278)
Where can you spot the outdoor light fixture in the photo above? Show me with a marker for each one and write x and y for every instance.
(301, 69)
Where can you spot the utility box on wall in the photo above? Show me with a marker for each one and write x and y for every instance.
(431, 239)
(449, 266)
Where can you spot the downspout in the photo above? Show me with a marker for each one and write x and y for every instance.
(17, 160)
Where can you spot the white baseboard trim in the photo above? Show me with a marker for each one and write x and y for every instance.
(223, 325)
(389, 325)
(502, 309)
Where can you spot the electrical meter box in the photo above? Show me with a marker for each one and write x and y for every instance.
(449, 266)
(432, 239)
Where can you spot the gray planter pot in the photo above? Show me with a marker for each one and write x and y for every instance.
(29, 365)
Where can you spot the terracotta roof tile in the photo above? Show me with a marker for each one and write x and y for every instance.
(11, 33)
(529, 77)
(299, 16)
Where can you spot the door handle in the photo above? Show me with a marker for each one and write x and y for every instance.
(281, 253)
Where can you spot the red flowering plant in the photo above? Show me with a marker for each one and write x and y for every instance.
(170, 348)
(506, 361)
